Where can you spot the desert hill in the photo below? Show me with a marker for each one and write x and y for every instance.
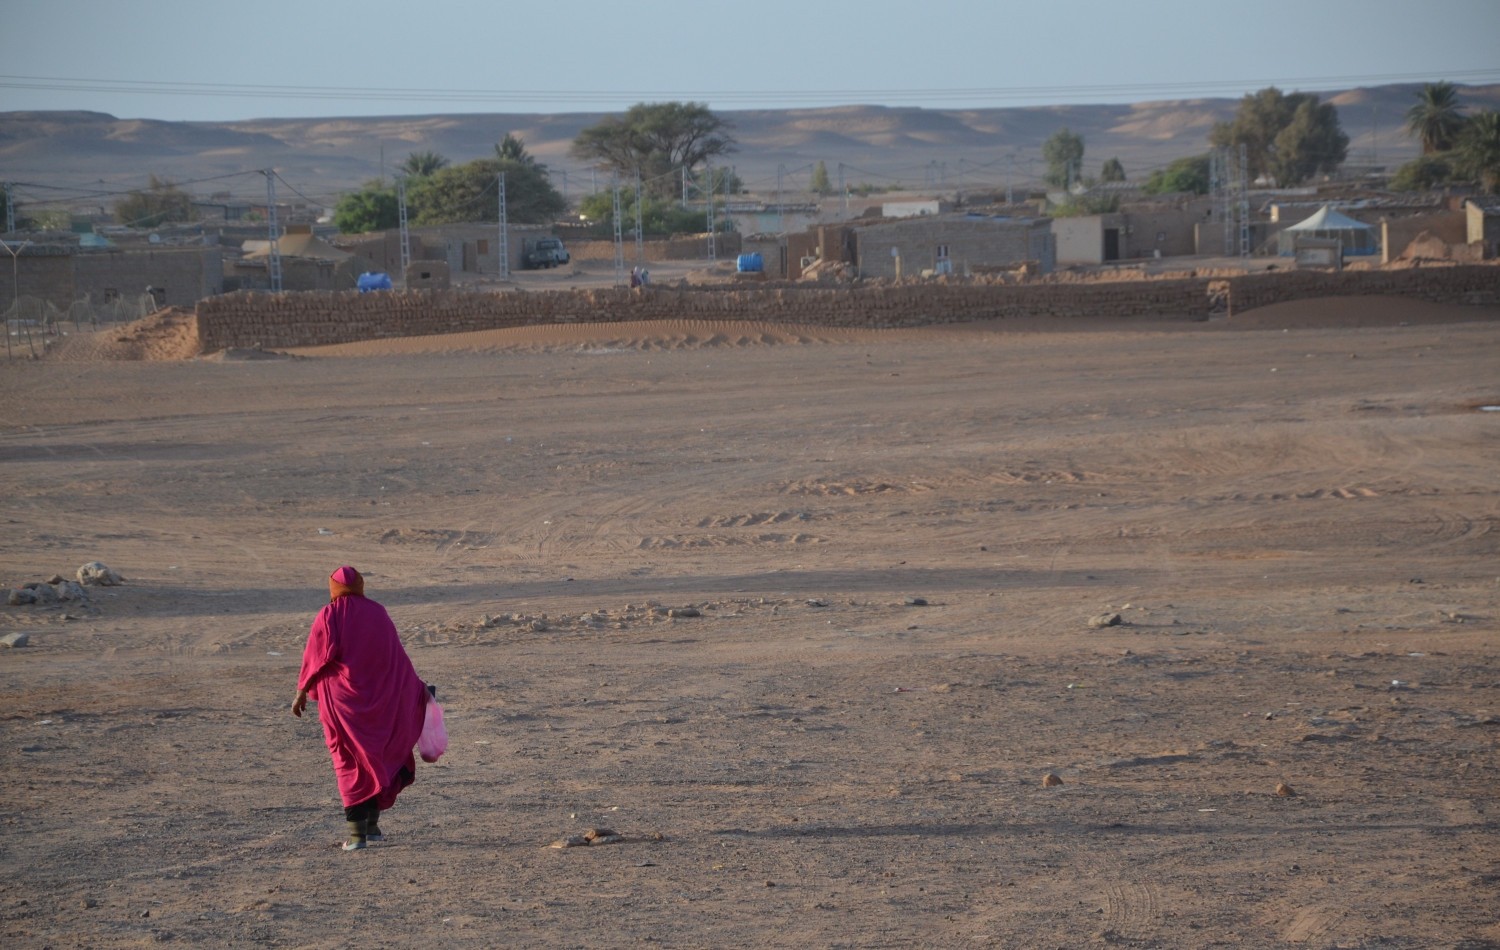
(914, 147)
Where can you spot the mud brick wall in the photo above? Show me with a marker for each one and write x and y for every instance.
(312, 319)
(1477, 284)
(693, 247)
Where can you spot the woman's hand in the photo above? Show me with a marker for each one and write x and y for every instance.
(299, 703)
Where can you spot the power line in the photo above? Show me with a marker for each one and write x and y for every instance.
(888, 95)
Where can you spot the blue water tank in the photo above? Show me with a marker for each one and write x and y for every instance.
(749, 264)
(369, 282)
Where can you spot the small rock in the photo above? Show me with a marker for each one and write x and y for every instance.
(1284, 790)
(538, 626)
(607, 839)
(1051, 780)
(596, 833)
(12, 640)
(915, 601)
(55, 579)
(817, 602)
(684, 612)
(99, 575)
(21, 596)
(89, 903)
(69, 590)
(571, 841)
(1105, 620)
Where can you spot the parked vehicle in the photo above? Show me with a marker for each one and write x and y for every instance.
(542, 253)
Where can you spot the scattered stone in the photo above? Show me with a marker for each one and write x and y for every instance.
(69, 590)
(13, 640)
(21, 597)
(99, 575)
(538, 626)
(55, 579)
(1051, 780)
(594, 834)
(684, 612)
(916, 601)
(42, 593)
(1284, 790)
(608, 839)
(1105, 620)
(571, 841)
(817, 602)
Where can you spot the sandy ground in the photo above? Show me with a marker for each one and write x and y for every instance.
(893, 544)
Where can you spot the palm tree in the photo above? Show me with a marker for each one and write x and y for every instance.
(422, 164)
(1478, 149)
(1435, 118)
(512, 148)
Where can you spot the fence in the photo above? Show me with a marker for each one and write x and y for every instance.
(33, 321)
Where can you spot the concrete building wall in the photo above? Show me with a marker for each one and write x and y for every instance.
(918, 244)
(1483, 227)
(1080, 240)
(181, 276)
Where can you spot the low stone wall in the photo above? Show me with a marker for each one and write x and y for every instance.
(311, 319)
(1471, 284)
(692, 247)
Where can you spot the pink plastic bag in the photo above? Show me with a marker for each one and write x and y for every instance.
(434, 740)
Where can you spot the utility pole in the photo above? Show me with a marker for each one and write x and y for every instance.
(619, 234)
(401, 222)
(1244, 201)
(844, 190)
(10, 210)
(273, 257)
(640, 230)
(712, 250)
(780, 209)
(503, 249)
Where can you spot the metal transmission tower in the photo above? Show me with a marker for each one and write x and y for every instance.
(780, 210)
(10, 210)
(1244, 189)
(843, 189)
(401, 221)
(619, 234)
(503, 247)
(273, 258)
(640, 230)
(1221, 191)
(713, 252)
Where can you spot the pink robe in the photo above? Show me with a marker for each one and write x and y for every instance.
(369, 698)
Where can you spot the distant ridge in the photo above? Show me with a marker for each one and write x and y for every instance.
(921, 149)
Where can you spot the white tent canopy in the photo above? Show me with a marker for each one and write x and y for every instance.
(1356, 237)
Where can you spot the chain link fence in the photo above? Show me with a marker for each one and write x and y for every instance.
(31, 322)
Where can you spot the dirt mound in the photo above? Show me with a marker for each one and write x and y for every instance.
(170, 334)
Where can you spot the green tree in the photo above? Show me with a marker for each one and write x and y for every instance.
(512, 148)
(820, 184)
(1185, 175)
(422, 164)
(655, 141)
(1112, 171)
(467, 193)
(1311, 144)
(160, 202)
(1434, 119)
(1477, 150)
(1423, 174)
(1063, 153)
(373, 208)
(659, 216)
(1317, 143)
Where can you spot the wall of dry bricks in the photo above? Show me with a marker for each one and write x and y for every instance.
(311, 319)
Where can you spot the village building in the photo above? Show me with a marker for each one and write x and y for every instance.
(953, 244)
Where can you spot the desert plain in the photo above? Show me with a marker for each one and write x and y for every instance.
(806, 616)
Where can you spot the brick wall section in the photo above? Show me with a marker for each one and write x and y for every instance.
(61, 276)
(1472, 284)
(692, 247)
(286, 320)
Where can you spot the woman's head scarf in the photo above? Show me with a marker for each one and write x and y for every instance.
(345, 581)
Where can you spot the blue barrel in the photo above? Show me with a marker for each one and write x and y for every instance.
(749, 264)
(369, 282)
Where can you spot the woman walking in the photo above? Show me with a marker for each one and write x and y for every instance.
(370, 702)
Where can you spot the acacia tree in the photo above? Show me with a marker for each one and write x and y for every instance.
(656, 142)
(1184, 175)
(1112, 170)
(1317, 143)
(467, 193)
(160, 202)
(372, 208)
(1434, 119)
(1063, 153)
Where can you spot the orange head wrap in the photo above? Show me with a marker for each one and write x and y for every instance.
(345, 581)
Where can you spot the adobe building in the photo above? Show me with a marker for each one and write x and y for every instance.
(952, 244)
(62, 271)
(1483, 219)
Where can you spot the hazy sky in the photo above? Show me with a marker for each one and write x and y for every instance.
(191, 59)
